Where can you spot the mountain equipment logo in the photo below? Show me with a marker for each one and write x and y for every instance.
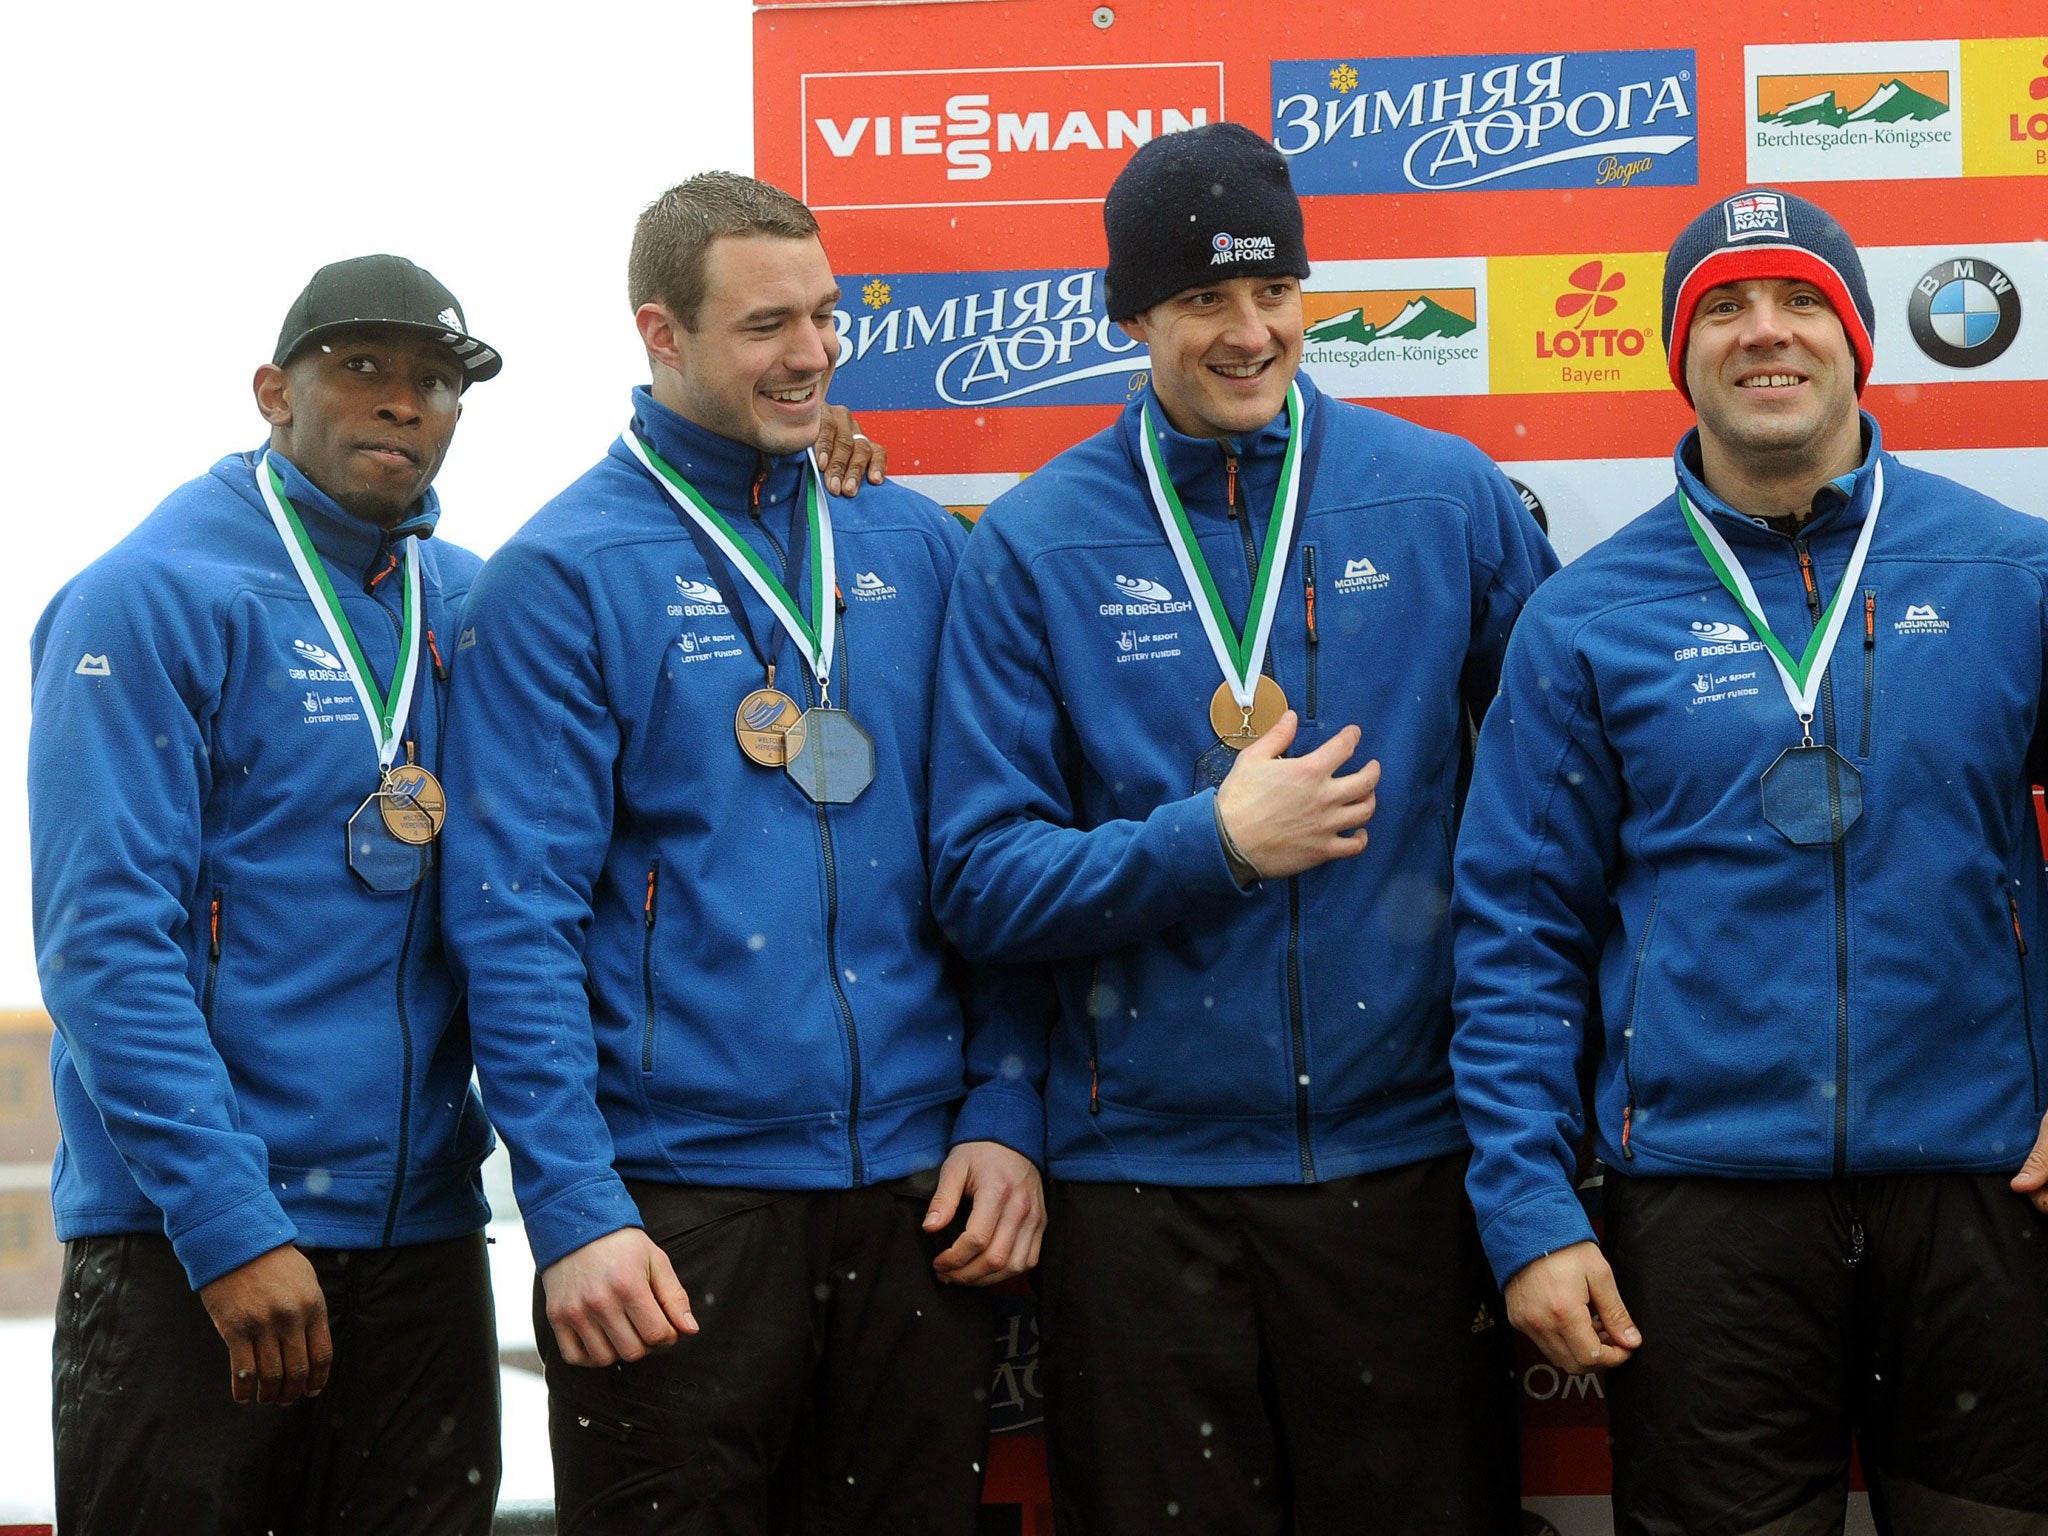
(1142, 596)
(1854, 111)
(1921, 619)
(699, 600)
(1756, 215)
(869, 587)
(1361, 575)
(990, 137)
(90, 665)
(317, 655)
(1964, 312)
(1611, 119)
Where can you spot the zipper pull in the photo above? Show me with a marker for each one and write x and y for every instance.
(390, 565)
(1230, 480)
(2014, 907)
(650, 894)
(213, 925)
(1308, 589)
(434, 650)
(1094, 1087)
(1806, 573)
(760, 475)
(1869, 619)
(1628, 1114)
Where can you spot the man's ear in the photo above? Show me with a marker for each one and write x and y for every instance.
(660, 332)
(274, 394)
(1135, 328)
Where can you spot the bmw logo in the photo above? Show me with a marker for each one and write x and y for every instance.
(1532, 502)
(1964, 312)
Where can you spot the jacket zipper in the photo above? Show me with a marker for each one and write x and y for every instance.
(1308, 594)
(1839, 858)
(412, 918)
(1628, 1050)
(1297, 1031)
(212, 956)
(2019, 940)
(647, 973)
(831, 865)
(1869, 664)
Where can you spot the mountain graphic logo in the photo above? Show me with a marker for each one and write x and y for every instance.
(1850, 100)
(1401, 314)
(1140, 590)
(1362, 566)
(1718, 633)
(1920, 612)
(318, 655)
(868, 581)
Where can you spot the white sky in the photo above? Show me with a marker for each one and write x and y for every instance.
(174, 174)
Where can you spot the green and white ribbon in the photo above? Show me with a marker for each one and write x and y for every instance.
(814, 638)
(1802, 677)
(385, 713)
(1242, 657)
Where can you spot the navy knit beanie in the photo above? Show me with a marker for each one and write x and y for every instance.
(1763, 233)
(1197, 207)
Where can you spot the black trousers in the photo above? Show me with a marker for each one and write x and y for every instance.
(1781, 1319)
(403, 1439)
(836, 1386)
(1280, 1361)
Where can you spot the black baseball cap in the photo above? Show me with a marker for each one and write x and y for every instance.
(382, 290)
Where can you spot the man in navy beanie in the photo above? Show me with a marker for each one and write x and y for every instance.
(1750, 843)
(1183, 666)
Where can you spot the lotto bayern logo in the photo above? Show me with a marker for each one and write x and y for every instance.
(1964, 312)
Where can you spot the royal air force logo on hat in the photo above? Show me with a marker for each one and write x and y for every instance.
(1756, 216)
(1964, 312)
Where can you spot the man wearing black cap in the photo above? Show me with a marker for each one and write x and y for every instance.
(268, 1186)
(1263, 1303)
(1750, 840)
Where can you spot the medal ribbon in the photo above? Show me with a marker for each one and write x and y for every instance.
(1802, 678)
(386, 713)
(1242, 657)
(815, 641)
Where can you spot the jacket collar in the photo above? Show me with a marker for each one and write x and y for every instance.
(1839, 504)
(722, 470)
(345, 541)
(1189, 459)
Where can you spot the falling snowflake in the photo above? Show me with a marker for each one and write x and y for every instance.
(875, 294)
(1343, 79)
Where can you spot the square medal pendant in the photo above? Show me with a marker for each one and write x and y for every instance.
(1813, 795)
(384, 863)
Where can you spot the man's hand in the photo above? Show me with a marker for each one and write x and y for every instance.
(2032, 1179)
(272, 1315)
(615, 1299)
(1007, 1219)
(1288, 814)
(845, 454)
(1567, 1304)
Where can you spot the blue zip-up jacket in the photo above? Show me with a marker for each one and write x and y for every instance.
(1209, 1035)
(1753, 1008)
(252, 1048)
(681, 969)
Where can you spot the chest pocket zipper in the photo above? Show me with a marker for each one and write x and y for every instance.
(1869, 666)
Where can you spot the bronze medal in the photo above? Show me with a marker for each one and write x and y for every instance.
(413, 804)
(763, 724)
(1237, 727)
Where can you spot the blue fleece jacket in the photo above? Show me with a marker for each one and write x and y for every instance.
(681, 969)
(252, 1048)
(1210, 1035)
(1750, 1008)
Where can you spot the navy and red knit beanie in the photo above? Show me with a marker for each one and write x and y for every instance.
(1764, 233)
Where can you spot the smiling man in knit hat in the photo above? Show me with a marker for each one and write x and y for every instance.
(1183, 666)
(1750, 839)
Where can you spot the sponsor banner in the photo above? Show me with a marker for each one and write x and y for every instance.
(930, 340)
(1958, 313)
(1378, 329)
(938, 138)
(1571, 324)
(2005, 116)
(1854, 111)
(1492, 122)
